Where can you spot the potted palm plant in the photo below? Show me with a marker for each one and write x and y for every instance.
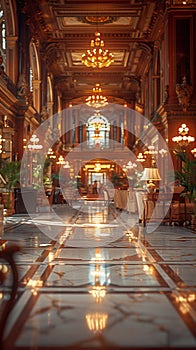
(11, 173)
(186, 177)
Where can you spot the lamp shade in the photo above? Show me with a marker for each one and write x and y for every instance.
(151, 174)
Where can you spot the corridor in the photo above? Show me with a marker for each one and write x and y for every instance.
(99, 280)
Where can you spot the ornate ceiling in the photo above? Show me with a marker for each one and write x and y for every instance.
(130, 29)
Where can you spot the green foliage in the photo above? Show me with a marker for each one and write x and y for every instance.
(11, 173)
(47, 164)
(187, 176)
(40, 173)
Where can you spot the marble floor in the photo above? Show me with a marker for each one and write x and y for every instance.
(92, 278)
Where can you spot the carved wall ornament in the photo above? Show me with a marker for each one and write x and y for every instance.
(184, 92)
(29, 98)
(166, 93)
(3, 75)
(22, 85)
(44, 114)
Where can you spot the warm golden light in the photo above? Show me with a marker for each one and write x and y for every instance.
(61, 160)
(97, 56)
(96, 100)
(98, 290)
(50, 257)
(140, 158)
(98, 293)
(151, 150)
(35, 285)
(3, 268)
(51, 154)
(185, 302)
(193, 151)
(163, 152)
(97, 321)
(151, 175)
(183, 139)
(97, 167)
(131, 165)
(66, 165)
(34, 145)
(131, 236)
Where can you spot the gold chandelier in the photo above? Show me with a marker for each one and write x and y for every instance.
(97, 56)
(96, 100)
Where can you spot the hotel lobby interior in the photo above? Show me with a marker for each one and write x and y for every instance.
(97, 174)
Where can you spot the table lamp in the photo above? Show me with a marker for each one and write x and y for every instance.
(151, 175)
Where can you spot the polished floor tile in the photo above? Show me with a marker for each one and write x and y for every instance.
(91, 279)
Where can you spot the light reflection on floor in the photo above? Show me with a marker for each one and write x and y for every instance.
(101, 283)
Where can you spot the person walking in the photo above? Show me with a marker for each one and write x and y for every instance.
(95, 187)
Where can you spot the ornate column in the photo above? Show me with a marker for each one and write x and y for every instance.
(171, 39)
(50, 106)
(12, 64)
(156, 76)
(36, 94)
(118, 132)
(77, 136)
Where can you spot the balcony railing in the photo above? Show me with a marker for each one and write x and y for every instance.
(8, 83)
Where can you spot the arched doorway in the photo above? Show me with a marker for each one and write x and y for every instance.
(97, 131)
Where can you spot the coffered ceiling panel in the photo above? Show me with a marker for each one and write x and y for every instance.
(66, 28)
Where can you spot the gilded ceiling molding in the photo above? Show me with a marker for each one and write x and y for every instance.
(180, 3)
(95, 20)
(116, 12)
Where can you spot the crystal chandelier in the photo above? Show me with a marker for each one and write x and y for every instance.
(163, 152)
(183, 139)
(140, 158)
(34, 143)
(131, 165)
(61, 160)
(96, 100)
(151, 150)
(97, 56)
